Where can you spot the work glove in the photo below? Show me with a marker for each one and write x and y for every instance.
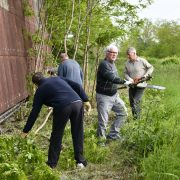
(127, 83)
(87, 106)
(24, 135)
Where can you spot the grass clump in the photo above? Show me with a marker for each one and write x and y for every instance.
(21, 159)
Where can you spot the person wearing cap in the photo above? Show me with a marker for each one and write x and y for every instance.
(107, 96)
(66, 98)
(136, 68)
(70, 69)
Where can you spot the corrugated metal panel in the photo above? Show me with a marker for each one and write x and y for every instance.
(13, 56)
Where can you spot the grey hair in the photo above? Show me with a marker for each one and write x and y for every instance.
(131, 49)
(111, 46)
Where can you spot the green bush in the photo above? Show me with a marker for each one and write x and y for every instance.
(11, 171)
(21, 159)
(155, 128)
(44, 173)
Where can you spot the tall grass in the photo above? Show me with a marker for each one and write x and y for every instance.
(155, 138)
(150, 148)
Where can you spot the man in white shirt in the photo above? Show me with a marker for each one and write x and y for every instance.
(136, 68)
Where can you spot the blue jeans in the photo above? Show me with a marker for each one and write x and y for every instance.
(104, 105)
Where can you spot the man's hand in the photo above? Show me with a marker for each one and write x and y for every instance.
(136, 80)
(127, 83)
(87, 106)
(24, 135)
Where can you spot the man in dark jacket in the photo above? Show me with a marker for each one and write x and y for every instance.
(107, 96)
(65, 96)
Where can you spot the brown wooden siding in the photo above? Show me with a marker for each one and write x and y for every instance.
(14, 65)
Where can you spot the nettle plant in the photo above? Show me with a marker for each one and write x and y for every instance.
(154, 129)
(21, 159)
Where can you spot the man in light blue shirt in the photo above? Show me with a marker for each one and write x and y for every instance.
(70, 69)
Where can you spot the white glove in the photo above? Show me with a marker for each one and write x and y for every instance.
(127, 83)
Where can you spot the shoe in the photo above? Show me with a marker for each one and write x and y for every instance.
(80, 165)
(52, 166)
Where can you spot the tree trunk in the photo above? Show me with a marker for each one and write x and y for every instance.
(88, 30)
(69, 28)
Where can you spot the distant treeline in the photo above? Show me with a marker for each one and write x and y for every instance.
(160, 39)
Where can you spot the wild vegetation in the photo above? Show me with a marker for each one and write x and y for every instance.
(149, 148)
(80, 28)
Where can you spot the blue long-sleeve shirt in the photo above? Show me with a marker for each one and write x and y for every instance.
(70, 69)
(55, 92)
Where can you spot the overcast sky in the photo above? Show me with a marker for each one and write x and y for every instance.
(161, 9)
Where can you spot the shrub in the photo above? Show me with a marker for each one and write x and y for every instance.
(21, 159)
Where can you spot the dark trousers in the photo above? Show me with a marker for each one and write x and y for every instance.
(135, 96)
(74, 112)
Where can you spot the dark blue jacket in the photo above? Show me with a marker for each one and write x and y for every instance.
(107, 78)
(55, 92)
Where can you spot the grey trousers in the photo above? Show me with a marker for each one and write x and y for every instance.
(135, 96)
(104, 105)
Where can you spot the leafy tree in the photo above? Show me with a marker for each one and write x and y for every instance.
(92, 25)
(159, 39)
(168, 34)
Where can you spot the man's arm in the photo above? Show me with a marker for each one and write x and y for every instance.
(126, 75)
(108, 74)
(149, 68)
(37, 105)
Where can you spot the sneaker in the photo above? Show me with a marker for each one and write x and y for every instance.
(80, 165)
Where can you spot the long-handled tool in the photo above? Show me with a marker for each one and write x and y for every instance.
(130, 84)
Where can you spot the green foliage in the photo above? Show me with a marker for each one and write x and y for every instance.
(154, 139)
(171, 60)
(27, 9)
(94, 153)
(26, 35)
(159, 39)
(67, 158)
(21, 159)
(42, 172)
(164, 163)
(11, 171)
(93, 18)
(143, 136)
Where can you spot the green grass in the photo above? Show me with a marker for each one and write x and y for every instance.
(149, 150)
